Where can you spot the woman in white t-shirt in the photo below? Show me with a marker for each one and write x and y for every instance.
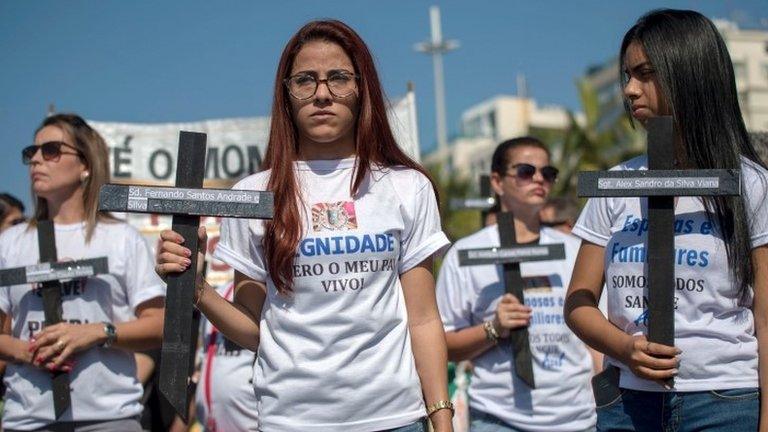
(478, 316)
(335, 294)
(676, 63)
(105, 316)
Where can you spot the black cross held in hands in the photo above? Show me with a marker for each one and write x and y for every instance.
(660, 184)
(484, 203)
(510, 255)
(187, 202)
(50, 274)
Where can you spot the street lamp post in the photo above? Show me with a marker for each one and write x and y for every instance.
(436, 47)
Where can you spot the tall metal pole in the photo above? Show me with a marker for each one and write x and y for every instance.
(436, 47)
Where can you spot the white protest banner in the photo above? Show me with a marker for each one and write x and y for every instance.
(146, 152)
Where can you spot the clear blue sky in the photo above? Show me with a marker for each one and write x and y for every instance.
(158, 61)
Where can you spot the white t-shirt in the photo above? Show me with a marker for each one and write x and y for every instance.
(713, 327)
(336, 355)
(103, 382)
(562, 366)
(225, 385)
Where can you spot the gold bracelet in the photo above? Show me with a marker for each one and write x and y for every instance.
(490, 332)
(439, 405)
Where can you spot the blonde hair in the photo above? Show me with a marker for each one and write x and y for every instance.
(95, 156)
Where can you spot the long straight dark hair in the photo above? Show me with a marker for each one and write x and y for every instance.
(374, 142)
(695, 74)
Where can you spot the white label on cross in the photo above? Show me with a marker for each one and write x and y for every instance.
(658, 183)
(500, 253)
(44, 272)
(479, 202)
(140, 194)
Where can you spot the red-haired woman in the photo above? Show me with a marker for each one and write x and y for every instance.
(336, 293)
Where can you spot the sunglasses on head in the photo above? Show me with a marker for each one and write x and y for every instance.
(525, 171)
(51, 151)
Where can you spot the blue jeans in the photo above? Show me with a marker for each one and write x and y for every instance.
(729, 410)
(483, 422)
(419, 426)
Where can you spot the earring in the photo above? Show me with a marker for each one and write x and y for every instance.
(84, 176)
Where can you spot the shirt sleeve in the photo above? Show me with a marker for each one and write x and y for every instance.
(452, 294)
(594, 224)
(756, 204)
(422, 235)
(240, 247)
(142, 282)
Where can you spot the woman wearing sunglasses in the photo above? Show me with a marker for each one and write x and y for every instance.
(675, 63)
(336, 293)
(478, 316)
(105, 317)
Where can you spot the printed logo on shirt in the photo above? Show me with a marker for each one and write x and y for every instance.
(337, 216)
(537, 284)
(346, 273)
(628, 247)
(72, 287)
(34, 326)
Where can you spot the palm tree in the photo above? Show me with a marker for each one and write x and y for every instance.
(456, 223)
(600, 141)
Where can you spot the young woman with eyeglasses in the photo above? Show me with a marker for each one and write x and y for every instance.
(478, 316)
(105, 317)
(335, 294)
(675, 63)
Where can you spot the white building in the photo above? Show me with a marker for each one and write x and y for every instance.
(749, 53)
(485, 125)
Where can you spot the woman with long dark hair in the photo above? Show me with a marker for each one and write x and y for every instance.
(335, 294)
(105, 316)
(675, 63)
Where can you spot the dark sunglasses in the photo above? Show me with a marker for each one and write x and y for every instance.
(525, 171)
(51, 151)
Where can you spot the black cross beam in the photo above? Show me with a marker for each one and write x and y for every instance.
(53, 271)
(660, 184)
(52, 308)
(484, 203)
(50, 274)
(510, 255)
(187, 202)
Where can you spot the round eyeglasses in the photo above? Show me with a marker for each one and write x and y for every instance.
(304, 85)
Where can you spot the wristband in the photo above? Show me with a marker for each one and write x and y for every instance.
(111, 332)
(490, 332)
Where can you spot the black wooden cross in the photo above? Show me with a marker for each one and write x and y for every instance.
(49, 274)
(187, 202)
(484, 203)
(510, 255)
(660, 184)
